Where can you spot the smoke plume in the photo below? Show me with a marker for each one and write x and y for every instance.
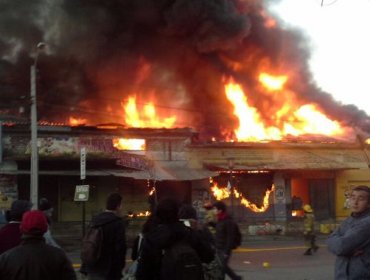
(175, 51)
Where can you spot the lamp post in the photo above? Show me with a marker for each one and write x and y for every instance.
(34, 147)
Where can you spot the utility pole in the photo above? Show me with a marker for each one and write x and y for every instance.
(34, 147)
(230, 163)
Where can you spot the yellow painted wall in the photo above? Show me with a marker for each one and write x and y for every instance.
(344, 181)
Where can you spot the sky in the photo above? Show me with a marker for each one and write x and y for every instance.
(339, 31)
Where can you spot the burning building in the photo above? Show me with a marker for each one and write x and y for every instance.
(226, 69)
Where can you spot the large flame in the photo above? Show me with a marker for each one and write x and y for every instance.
(129, 144)
(288, 117)
(145, 116)
(225, 192)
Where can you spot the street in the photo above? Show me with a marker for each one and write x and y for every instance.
(281, 259)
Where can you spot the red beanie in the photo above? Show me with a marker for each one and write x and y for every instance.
(34, 222)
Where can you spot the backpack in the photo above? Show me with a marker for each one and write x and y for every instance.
(92, 244)
(184, 261)
(237, 238)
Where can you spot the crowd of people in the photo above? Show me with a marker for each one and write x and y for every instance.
(173, 243)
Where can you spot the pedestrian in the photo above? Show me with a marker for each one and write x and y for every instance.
(225, 234)
(188, 215)
(149, 224)
(350, 242)
(33, 259)
(130, 272)
(46, 207)
(10, 234)
(111, 262)
(309, 230)
(165, 235)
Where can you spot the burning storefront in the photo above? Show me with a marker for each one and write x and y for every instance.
(227, 69)
(132, 161)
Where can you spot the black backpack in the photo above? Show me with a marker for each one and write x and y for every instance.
(183, 260)
(237, 238)
(92, 244)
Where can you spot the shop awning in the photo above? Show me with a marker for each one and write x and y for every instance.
(161, 171)
(170, 170)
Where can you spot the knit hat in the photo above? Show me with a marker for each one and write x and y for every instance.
(18, 208)
(34, 222)
(307, 208)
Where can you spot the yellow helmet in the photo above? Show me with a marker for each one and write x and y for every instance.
(307, 208)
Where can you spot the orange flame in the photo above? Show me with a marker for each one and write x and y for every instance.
(131, 144)
(272, 82)
(224, 192)
(76, 121)
(146, 116)
(288, 117)
(140, 214)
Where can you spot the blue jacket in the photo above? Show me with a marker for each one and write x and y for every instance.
(351, 243)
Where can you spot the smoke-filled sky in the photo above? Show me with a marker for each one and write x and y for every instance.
(337, 30)
(174, 52)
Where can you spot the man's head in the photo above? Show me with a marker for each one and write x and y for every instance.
(167, 211)
(114, 201)
(360, 199)
(34, 223)
(44, 204)
(17, 209)
(188, 212)
(220, 206)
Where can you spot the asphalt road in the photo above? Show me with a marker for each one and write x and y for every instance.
(281, 259)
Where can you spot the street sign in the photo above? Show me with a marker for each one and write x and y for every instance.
(83, 164)
(82, 193)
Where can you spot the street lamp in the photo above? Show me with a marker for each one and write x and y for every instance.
(34, 147)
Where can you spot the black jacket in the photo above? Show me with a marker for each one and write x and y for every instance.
(35, 260)
(113, 254)
(225, 232)
(162, 237)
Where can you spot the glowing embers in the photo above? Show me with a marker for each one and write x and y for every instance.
(145, 116)
(225, 192)
(129, 144)
(282, 115)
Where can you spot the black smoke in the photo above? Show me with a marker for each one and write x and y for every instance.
(100, 52)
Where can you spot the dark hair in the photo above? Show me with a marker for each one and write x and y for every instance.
(187, 212)
(363, 188)
(113, 201)
(219, 205)
(149, 224)
(167, 210)
(17, 209)
(44, 204)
